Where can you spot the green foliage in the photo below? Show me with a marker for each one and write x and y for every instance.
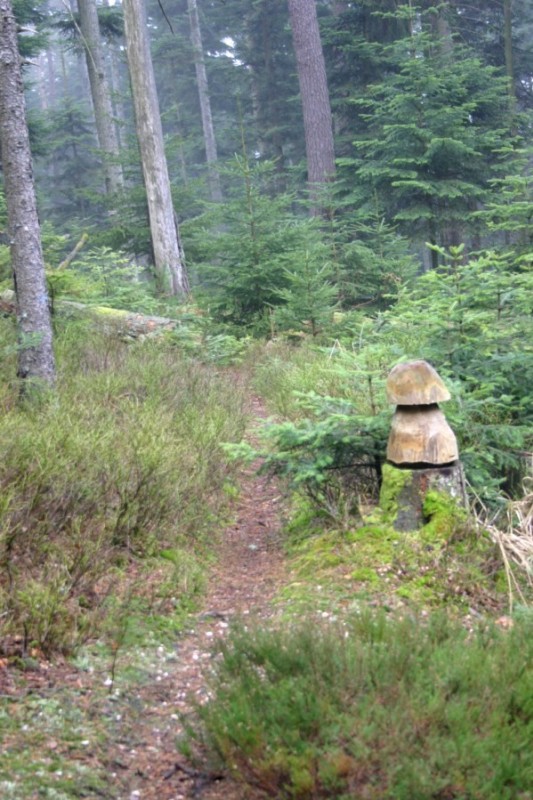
(283, 372)
(123, 464)
(371, 260)
(334, 453)
(333, 442)
(510, 209)
(374, 708)
(101, 276)
(30, 18)
(430, 137)
(110, 19)
(309, 298)
(251, 254)
(471, 320)
(68, 179)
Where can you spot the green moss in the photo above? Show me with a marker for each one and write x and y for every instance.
(104, 311)
(377, 545)
(375, 531)
(394, 480)
(312, 562)
(444, 563)
(444, 516)
(305, 523)
(422, 590)
(365, 575)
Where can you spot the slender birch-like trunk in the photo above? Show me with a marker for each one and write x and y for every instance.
(164, 230)
(205, 102)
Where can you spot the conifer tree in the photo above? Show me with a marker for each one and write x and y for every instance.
(435, 129)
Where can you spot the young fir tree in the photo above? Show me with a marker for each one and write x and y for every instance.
(67, 172)
(245, 252)
(509, 212)
(371, 260)
(435, 129)
(310, 296)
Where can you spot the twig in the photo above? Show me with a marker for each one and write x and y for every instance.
(74, 252)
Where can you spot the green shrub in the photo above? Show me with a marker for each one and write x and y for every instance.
(473, 322)
(334, 454)
(122, 464)
(374, 709)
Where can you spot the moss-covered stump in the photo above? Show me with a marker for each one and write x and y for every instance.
(404, 493)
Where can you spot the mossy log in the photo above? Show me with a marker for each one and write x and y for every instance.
(126, 323)
(404, 492)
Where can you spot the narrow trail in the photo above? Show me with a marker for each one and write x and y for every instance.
(249, 571)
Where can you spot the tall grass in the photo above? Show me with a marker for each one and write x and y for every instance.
(375, 709)
(123, 463)
(283, 371)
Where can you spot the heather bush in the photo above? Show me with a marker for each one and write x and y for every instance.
(121, 465)
(374, 708)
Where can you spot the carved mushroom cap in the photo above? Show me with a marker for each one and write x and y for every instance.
(421, 436)
(415, 383)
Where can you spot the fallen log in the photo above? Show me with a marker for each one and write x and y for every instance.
(119, 321)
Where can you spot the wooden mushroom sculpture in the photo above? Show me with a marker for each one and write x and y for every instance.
(419, 432)
(422, 451)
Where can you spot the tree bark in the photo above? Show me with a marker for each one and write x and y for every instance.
(403, 492)
(101, 96)
(165, 235)
(318, 121)
(205, 103)
(36, 363)
(509, 62)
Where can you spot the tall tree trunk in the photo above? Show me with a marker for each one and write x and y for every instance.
(101, 96)
(113, 61)
(205, 103)
(163, 227)
(508, 39)
(182, 161)
(36, 358)
(117, 104)
(442, 33)
(318, 122)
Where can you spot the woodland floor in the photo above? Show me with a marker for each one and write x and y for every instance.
(94, 729)
(130, 732)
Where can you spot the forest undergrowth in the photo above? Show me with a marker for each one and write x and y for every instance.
(115, 493)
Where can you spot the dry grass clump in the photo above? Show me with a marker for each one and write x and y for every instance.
(513, 533)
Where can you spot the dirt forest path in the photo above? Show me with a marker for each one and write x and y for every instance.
(249, 570)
